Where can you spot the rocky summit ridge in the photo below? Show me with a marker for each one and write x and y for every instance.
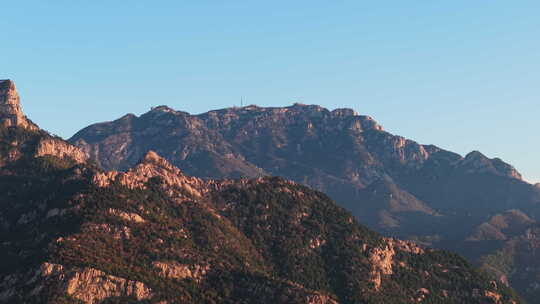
(338, 152)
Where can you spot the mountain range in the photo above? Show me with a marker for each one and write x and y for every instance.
(74, 232)
(394, 185)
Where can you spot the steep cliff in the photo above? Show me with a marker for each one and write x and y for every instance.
(11, 113)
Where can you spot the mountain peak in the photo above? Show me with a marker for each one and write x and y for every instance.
(11, 114)
(154, 161)
(344, 112)
(479, 163)
(162, 108)
(475, 155)
(152, 157)
(10, 109)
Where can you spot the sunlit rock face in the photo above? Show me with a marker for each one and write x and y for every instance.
(11, 113)
(12, 117)
(61, 149)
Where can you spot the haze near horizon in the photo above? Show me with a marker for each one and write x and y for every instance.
(459, 75)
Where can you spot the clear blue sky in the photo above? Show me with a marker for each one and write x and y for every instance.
(463, 75)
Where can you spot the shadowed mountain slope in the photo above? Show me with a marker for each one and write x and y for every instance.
(339, 152)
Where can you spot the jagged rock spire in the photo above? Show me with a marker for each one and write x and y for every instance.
(11, 114)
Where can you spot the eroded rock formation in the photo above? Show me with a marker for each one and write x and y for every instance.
(11, 113)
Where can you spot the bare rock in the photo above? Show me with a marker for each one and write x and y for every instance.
(60, 149)
(92, 285)
(11, 114)
(175, 270)
(130, 217)
(152, 166)
(381, 260)
(320, 299)
(495, 297)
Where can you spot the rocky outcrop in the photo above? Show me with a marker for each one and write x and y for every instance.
(318, 298)
(175, 270)
(90, 285)
(61, 149)
(383, 259)
(130, 217)
(152, 166)
(11, 114)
